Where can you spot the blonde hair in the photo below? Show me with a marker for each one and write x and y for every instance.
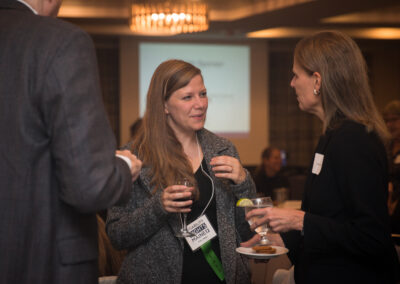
(156, 143)
(344, 88)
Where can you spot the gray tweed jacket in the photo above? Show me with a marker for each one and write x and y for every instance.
(147, 231)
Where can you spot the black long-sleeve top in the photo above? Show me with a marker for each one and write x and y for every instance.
(346, 233)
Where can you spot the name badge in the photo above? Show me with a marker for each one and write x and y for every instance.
(317, 166)
(203, 231)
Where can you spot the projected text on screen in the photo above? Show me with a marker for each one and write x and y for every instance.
(226, 73)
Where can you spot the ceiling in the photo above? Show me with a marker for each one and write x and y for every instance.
(247, 18)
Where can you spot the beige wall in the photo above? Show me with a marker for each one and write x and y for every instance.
(129, 87)
(249, 148)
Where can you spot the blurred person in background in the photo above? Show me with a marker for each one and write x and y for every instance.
(174, 145)
(342, 232)
(391, 115)
(268, 176)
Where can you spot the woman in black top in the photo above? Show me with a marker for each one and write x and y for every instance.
(342, 232)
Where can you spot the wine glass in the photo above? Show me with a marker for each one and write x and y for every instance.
(183, 233)
(261, 202)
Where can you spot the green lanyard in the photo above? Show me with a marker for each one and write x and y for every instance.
(213, 260)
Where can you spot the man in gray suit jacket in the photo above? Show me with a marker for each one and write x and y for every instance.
(57, 151)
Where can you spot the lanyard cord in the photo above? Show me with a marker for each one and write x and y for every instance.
(205, 173)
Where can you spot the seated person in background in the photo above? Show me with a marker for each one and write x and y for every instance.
(268, 175)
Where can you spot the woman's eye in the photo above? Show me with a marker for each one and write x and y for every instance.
(186, 98)
(204, 94)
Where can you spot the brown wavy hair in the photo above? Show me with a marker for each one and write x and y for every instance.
(156, 143)
(345, 89)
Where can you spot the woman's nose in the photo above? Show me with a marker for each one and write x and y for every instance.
(200, 102)
(292, 83)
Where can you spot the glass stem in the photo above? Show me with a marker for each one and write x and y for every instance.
(184, 222)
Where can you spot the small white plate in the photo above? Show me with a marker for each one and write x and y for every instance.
(249, 252)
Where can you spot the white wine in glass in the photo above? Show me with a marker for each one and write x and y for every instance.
(262, 230)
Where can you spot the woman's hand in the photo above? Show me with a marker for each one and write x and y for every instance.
(172, 193)
(228, 167)
(274, 238)
(278, 219)
(252, 242)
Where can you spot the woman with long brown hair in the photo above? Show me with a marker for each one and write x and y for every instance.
(341, 234)
(173, 145)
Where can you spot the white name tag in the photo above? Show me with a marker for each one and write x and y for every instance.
(203, 230)
(317, 166)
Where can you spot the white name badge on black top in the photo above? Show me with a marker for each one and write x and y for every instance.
(317, 166)
(203, 230)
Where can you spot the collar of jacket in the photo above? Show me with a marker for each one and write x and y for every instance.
(211, 145)
(13, 4)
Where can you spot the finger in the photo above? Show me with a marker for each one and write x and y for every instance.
(258, 222)
(179, 197)
(225, 175)
(256, 212)
(220, 160)
(176, 206)
(223, 168)
(254, 240)
(177, 188)
(182, 204)
(177, 210)
(122, 152)
(278, 226)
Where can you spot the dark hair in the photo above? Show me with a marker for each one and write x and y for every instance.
(134, 128)
(266, 154)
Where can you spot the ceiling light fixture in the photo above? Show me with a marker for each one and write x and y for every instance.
(159, 18)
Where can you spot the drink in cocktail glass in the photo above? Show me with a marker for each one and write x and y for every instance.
(261, 202)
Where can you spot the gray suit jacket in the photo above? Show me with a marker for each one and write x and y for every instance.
(147, 231)
(57, 163)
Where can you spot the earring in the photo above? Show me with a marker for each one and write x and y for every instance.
(316, 92)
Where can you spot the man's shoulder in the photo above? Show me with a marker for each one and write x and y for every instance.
(57, 27)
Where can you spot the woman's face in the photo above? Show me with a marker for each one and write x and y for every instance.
(186, 108)
(304, 85)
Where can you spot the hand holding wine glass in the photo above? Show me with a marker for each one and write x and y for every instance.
(177, 198)
(256, 203)
(184, 232)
